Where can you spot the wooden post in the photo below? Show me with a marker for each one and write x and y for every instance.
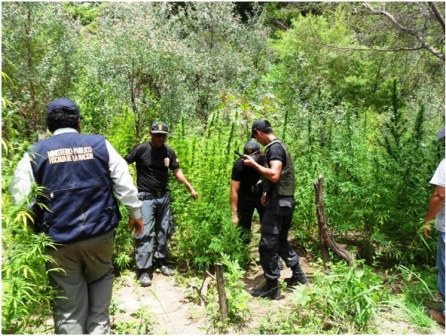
(221, 293)
(326, 240)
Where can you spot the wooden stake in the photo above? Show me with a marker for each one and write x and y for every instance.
(221, 293)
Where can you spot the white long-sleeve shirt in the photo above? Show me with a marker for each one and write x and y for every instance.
(439, 180)
(123, 185)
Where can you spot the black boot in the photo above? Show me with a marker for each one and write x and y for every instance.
(297, 277)
(269, 290)
(144, 278)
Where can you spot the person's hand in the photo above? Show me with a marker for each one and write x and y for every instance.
(248, 161)
(234, 218)
(427, 230)
(137, 225)
(194, 194)
(263, 199)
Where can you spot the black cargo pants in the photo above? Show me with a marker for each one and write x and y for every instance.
(274, 243)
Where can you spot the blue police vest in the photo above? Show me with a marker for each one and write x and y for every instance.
(77, 200)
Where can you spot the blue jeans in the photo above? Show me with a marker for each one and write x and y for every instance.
(156, 215)
(440, 264)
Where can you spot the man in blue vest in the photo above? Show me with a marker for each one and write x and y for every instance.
(278, 196)
(80, 175)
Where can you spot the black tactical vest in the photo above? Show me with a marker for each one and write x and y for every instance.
(285, 186)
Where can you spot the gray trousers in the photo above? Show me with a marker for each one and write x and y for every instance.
(156, 215)
(84, 285)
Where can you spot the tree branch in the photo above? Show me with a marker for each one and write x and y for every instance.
(319, 41)
(410, 31)
(281, 24)
(436, 13)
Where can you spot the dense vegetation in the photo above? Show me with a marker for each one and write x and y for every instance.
(355, 89)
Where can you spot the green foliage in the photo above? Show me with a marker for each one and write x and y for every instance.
(124, 246)
(404, 164)
(141, 323)
(26, 294)
(236, 295)
(364, 119)
(25, 291)
(39, 52)
(305, 72)
(345, 301)
(416, 294)
(204, 227)
(376, 165)
(157, 61)
(122, 132)
(85, 12)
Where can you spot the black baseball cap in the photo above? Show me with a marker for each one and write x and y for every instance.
(159, 127)
(65, 104)
(251, 147)
(259, 125)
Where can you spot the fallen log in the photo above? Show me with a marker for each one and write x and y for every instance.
(325, 238)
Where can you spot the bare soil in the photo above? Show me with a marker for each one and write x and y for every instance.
(167, 309)
(167, 303)
(174, 313)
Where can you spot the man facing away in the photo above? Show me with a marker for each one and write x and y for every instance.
(246, 191)
(436, 211)
(80, 175)
(278, 196)
(153, 161)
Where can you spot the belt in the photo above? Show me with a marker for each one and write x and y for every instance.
(273, 194)
(148, 195)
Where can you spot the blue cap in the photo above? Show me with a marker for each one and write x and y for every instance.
(66, 104)
(440, 134)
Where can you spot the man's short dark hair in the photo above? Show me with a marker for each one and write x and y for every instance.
(58, 118)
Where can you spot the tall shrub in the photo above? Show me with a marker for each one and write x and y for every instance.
(26, 294)
(204, 228)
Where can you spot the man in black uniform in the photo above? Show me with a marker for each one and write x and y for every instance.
(246, 191)
(153, 160)
(278, 196)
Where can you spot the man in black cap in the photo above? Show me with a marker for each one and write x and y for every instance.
(80, 175)
(246, 191)
(278, 196)
(153, 161)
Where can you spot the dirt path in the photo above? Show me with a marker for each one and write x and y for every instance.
(166, 303)
(171, 311)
